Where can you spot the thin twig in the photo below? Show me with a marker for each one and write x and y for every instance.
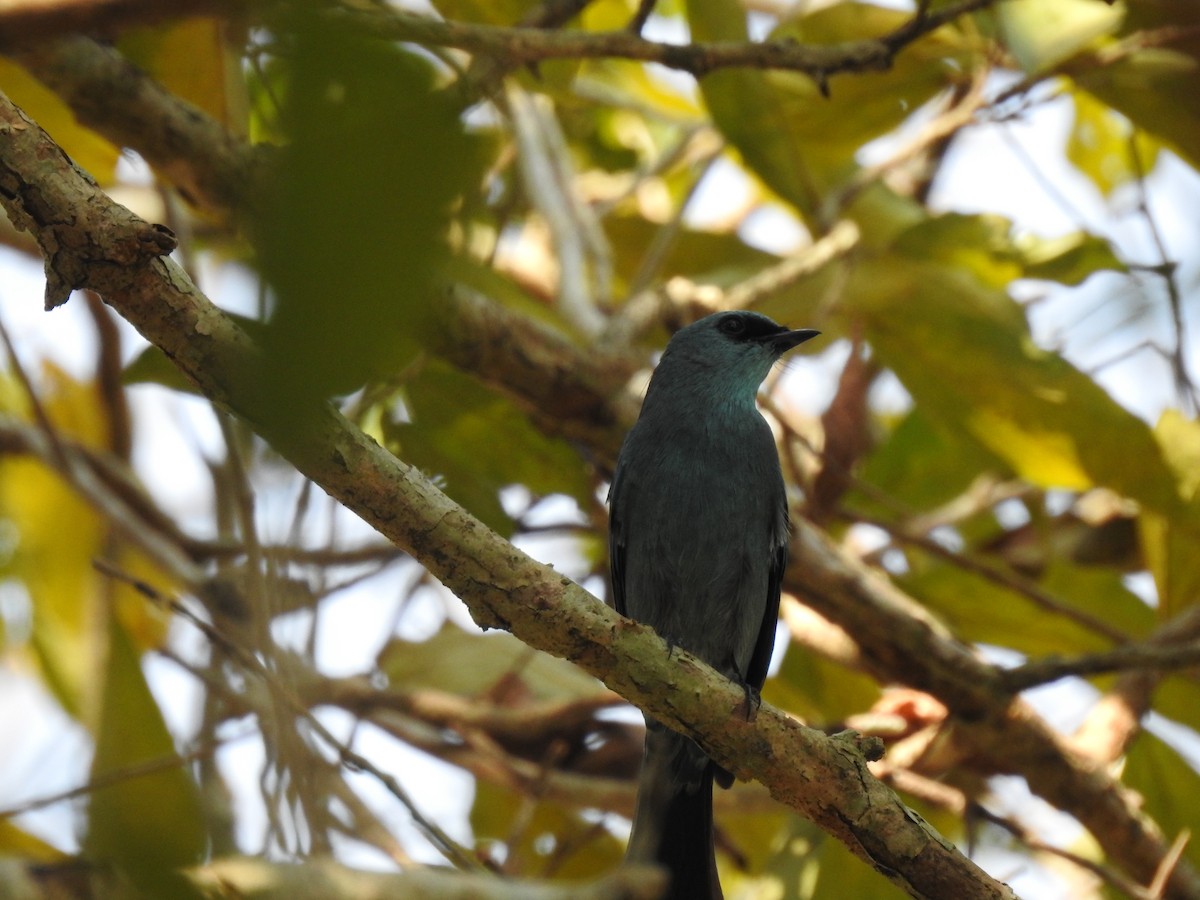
(523, 46)
(1120, 659)
(457, 854)
(584, 268)
(108, 779)
(1168, 269)
(1168, 864)
(1000, 576)
(1109, 875)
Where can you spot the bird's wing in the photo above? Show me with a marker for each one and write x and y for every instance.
(617, 541)
(760, 660)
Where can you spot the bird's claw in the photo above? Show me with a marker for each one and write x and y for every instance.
(751, 702)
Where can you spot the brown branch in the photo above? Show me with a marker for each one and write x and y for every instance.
(75, 243)
(320, 879)
(531, 722)
(24, 22)
(1116, 719)
(1142, 656)
(1000, 734)
(524, 46)
(824, 778)
(602, 779)
(119, 101)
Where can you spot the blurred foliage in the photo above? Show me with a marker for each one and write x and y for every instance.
(351, 250)
(472, 664)
(1006, 490)
(194, 60)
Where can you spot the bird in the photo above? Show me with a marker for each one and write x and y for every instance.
(698, 535)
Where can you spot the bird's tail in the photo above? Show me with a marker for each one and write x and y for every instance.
(673, 821)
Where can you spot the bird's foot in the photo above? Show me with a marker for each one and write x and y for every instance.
(751, 703)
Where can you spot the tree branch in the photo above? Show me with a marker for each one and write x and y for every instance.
(1120, 659)
(899, 642)
(255, 879)
(116, 99)
(525, 46)
(23, 21)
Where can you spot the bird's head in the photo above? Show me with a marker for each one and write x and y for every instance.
(738, 346)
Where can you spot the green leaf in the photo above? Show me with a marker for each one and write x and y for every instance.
(552, 841)
(15, 841)
(984, 246)
(1176, 699)
(148, 825)
(1156, 89)
(1099, 145)
(840, 874)
(748, 107)
(1069, 259)
(477, 442)
(1042, 33)
(473, 664)
(921, 466)
(963, 350)
(807, 864)
(982, 611)
(803, 144)
(818, 690)
(706, 257)
(1179, 438)
(353, 238)
(1169, 787)
(1169, 543)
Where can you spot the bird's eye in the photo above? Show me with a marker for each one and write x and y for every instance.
(734, 326)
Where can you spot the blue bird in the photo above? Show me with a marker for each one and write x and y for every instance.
(698, 539)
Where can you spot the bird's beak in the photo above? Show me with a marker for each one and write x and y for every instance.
(788, 339)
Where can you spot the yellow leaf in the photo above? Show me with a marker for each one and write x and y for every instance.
(17, 842)
(191, 59)
(57, 536)
(1043, 33)
(1043, 457)
(151, 823)
(89, 151)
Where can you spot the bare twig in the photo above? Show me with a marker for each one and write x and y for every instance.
(250, 663)
(585, 274)
(1106, 873)
(120, 776)
(1137, 656)
(1001, 576)
(522, 46)
(1168, 270)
